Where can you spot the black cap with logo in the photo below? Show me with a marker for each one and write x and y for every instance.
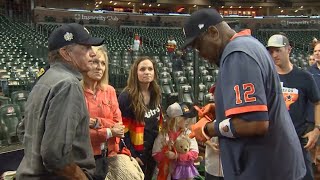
(71, 33)
(199, 22)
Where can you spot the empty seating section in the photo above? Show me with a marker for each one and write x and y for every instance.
(114, 39)
(21, 55)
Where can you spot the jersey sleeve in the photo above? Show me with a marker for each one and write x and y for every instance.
(242, 85)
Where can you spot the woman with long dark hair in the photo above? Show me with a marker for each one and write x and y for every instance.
(140, 107)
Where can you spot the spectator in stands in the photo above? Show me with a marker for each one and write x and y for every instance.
(140, 107)
(129, 48)
(257, 139)
(177, 63)
(171, 46)
(105, 116)
(298, 87)
(136, 43)
(311, 60)
(56, 132)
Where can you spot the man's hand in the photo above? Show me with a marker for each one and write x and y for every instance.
(197, 130)
(118, 130)
(208, 110)
(171, 155)
(312, 138)
(72, 171)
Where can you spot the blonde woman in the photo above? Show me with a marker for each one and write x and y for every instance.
(105, 116)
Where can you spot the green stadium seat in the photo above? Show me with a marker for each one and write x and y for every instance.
(4, 100)
(202, 91)
(10, 115)
(208, 98)
(4, 136)
(20, 98)
(166, 85)
(186, 94)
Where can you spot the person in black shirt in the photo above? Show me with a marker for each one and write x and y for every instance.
(298, 87)
(177, 63)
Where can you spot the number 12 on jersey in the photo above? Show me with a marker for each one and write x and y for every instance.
(247, 90)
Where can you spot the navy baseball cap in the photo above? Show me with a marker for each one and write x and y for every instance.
(181, 109)
(199, 22)
(71, 33)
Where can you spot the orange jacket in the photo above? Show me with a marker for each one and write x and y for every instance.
(103, 106)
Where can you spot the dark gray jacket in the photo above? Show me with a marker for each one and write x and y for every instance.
(56, 126)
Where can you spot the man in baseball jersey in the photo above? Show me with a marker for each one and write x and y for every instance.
(257, 139)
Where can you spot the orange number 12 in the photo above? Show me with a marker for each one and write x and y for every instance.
(248, 91)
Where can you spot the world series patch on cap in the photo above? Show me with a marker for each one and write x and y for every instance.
(71, 33)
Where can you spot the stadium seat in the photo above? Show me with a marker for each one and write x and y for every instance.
(177, 74)
(191, 80)
(4, 100)
(164, 74)
(20, 98)
(10, 115)
(4, 136)
(160, 65)
(208, 98)
(202, 92)
(126, 53)
(181, 81)
(208, 81)
(186, 94)
(166, 86)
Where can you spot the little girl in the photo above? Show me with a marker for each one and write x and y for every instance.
(179, 116)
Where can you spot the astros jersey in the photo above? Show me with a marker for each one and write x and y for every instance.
(298, 86)
(248, 87)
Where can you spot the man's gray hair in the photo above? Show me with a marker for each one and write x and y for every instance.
(55, 56)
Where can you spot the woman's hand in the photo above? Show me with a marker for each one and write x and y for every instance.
(92, 123)
(118, 130)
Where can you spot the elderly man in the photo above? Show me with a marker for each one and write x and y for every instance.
(257, 139)
(56, 124)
